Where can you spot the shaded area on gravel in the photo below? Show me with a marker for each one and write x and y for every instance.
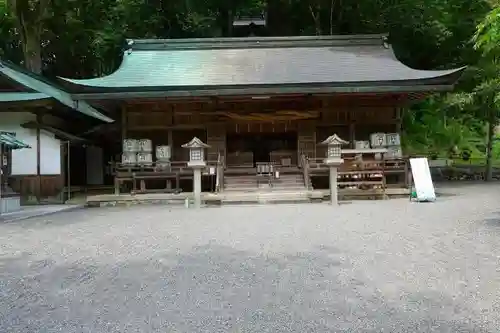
(366, 267)
(306, 293)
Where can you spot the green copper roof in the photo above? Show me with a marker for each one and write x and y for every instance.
(11, 142)
(21, 96)
(238, 64)
(38, 84)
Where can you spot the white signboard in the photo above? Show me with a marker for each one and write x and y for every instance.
(422, 179)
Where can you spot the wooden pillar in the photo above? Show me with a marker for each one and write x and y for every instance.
(399, 120)
(216, 138)
(124, 123)
(306, 139)
(38, 158)
(2, 177)
(352, 134)
(170, 142)
(62, 151)
(170, 138)
(334, 191)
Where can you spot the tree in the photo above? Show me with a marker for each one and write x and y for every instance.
(29, 16)
(85, 38)
(484, 99)
(487, 40)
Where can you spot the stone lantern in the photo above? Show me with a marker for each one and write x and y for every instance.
(333, 159)
(197, 163)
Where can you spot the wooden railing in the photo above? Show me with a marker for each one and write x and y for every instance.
(316, 163)
(363, 173)
(304, 162)
(173, 170)
(172, 166)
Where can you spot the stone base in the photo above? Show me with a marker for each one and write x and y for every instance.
(10, 204)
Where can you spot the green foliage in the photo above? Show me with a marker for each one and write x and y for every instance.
(10, 47)
(431, 127)
(487, 36)
(86, 35)
(84, 38)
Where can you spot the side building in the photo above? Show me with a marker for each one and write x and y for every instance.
(38, 117)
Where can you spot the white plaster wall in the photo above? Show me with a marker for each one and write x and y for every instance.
(50, 154)
(24, 160)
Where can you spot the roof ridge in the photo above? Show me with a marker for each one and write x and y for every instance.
(256, 42)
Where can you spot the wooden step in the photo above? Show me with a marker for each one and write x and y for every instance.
(252, 183)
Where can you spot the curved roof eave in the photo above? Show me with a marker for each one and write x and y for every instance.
(82, 85)
(22, 96)
(30, 81)
(154, 65)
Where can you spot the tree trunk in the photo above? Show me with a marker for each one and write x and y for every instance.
(32, 51)
(332, 4)
(315, 14)
(489, 147)
(278, 20)
(29, 22)
(226, 22)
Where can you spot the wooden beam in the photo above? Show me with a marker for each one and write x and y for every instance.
(124, 122)
(166, 127)
(60, 134)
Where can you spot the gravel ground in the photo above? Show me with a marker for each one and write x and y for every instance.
(390, 266)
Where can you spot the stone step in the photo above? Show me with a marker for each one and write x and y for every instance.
(255, 176)
(238, 179)
(280, 181)
(266, 197)
(241, 182)
(264, 189)
(289, 187)
(264, 184)
(250, 183)
(242, 189)
(287, 181)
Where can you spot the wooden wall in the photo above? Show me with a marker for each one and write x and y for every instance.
(211, 122)
(306, 138)
(216, 139)
(37, 186)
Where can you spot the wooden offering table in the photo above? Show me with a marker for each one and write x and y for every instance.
(363, 169)
(173, 171)
(363, 173)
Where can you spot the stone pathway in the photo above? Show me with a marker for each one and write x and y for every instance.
(27, 212)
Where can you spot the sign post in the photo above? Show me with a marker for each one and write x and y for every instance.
(422, 180)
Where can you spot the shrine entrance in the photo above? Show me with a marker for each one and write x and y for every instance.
(252, 148)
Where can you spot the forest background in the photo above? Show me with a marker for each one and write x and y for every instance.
(85, 38)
